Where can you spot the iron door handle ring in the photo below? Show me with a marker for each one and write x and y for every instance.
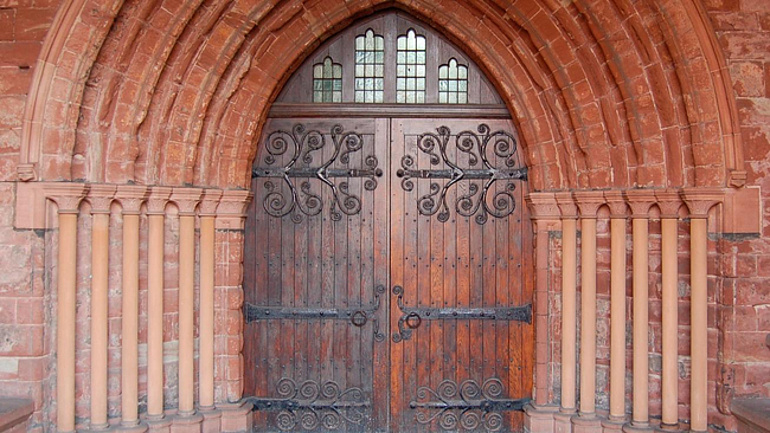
(358, 318)
(413, 320)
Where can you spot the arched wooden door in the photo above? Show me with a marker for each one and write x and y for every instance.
(387, 270)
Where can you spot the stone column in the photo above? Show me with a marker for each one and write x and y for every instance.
(156, 211)
(67, 198)
(186, 200)
(568, 407)
(589, 203)
(207, 214)
(640, 202)
(618, 215)
(130, 198)
(699, 201)
(100, 197)
(669, 204)
(545, 213)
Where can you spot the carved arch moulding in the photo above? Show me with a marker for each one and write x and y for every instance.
(197, 137)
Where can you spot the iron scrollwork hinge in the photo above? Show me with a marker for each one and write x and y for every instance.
(504, 146)
(301, 146)
(411, 317)
(311, 405)
(474, 407)
(358, 316)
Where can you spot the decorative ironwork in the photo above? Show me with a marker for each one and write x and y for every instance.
(467, 407)
(302, 145)
(358, 316)
(311, 405)
(411, 318)
(476, 146)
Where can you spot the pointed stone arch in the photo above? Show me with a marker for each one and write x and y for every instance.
(600, 101)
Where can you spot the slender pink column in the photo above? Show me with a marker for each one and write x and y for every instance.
(100, 197)
(589, 203)
(669, 204)
(569, 302)
(206, 322)
(156, 206)
(640, 202)
(186, 200)
(618, 215)
(130, 198)
(699, 203)
(67, 198)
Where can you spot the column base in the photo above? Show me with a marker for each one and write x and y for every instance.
(562, 421)
(187, 423)
(669, 428)
(212, 420)
(638, 428)
(613, 425)
(236, 417)
(132, 427)
(158, 424)
(586, 423)
(539, 419)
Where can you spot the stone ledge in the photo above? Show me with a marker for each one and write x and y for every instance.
(753, 414)
(14, 411)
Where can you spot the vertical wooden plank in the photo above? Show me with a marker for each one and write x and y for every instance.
(463, 230)
(422, 356)
(476, 288)
(340, 239)
(398, 274)
(448, 256)
(502, 298)
(314, 282)
(352, 273)
(327, 282)
(435, 237)
(299, 268)
(380, 262)
(489, 289)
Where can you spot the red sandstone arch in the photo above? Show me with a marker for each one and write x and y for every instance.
(606, 93)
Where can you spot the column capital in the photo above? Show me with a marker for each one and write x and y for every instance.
(669, 203)
(67, 196)
(157, 198)
(566, 205)
(589, 203)
(700, 200)
(100, 197)
(232, 208)
(543, 205)
(209, 202)
(617, 203)
(131, 198)
(640, 201)
(186, 199)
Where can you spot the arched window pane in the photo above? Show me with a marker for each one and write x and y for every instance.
(453, 83)
(410, 68)
(327, 81)
(370, 71)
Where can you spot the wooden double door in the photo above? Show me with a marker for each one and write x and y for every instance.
(387, 283)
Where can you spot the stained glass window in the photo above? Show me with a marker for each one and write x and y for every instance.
(410, 68)
(327, 81)
(370, 68)
(453, 83)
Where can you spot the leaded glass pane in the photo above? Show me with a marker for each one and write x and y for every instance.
(410, 68)
(327, 81)
(453, 83)
(369, 70)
